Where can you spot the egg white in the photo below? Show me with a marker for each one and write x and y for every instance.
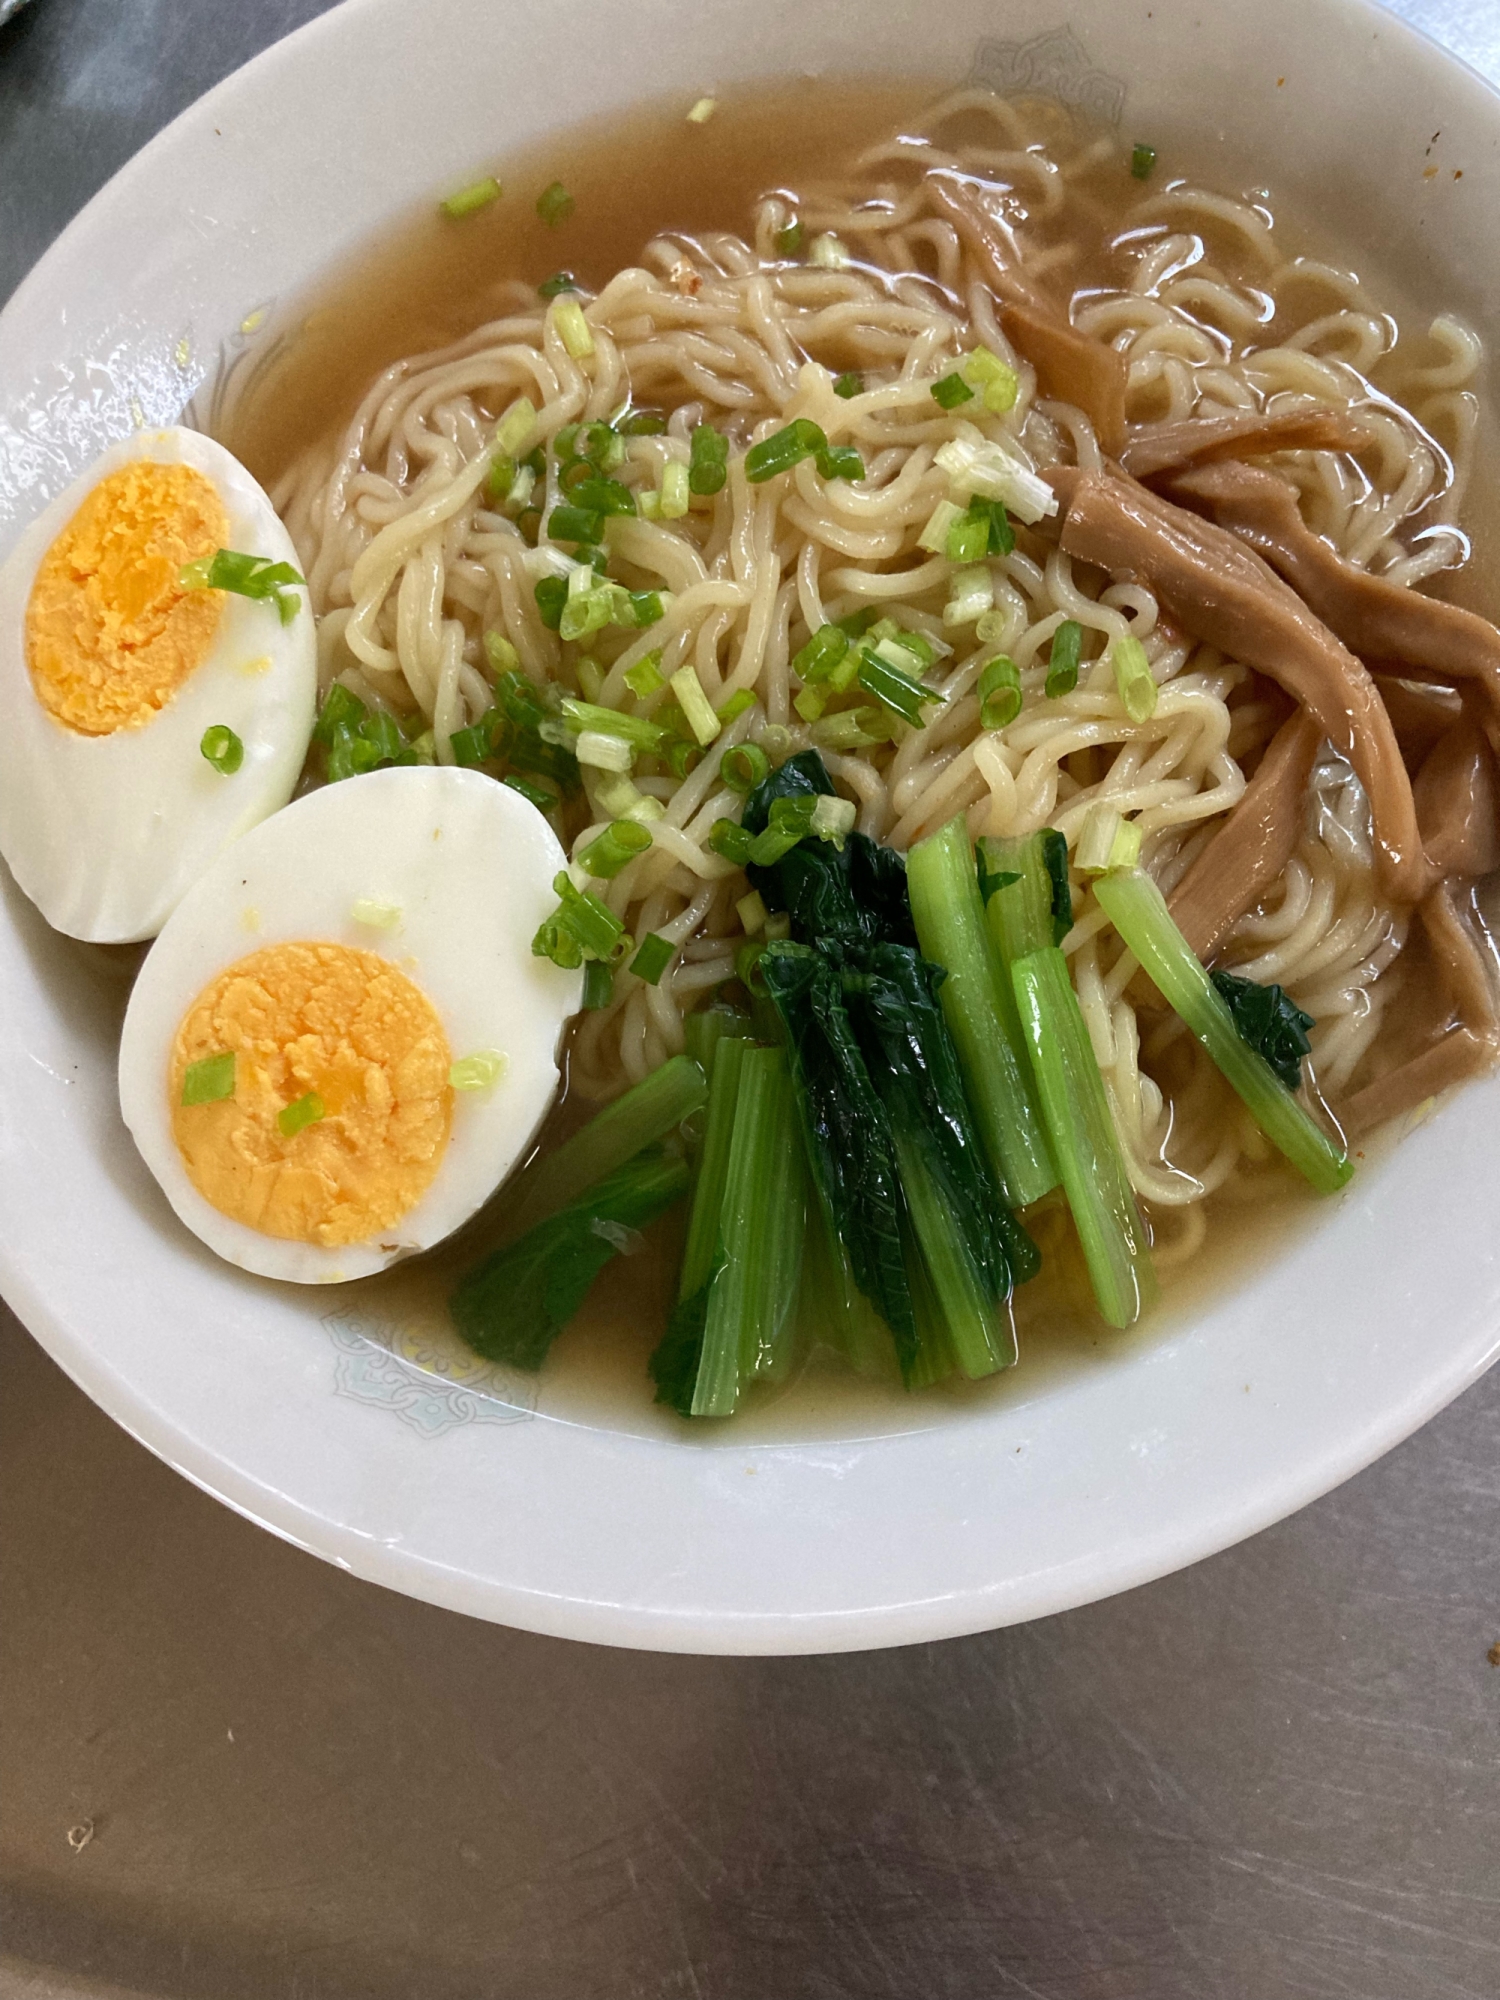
(470, 866)
(106, 833)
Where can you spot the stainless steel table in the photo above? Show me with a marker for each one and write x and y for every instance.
(233, 1773)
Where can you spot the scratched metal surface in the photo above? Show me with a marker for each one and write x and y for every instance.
(1274, 1775)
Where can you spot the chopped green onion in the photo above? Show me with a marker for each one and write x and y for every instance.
(791, 821)
(646, 677)
(784, 449)
(590, 677)
(534, 795)
(995, 468)
(500, 653)
(223, 749)
(479, 194)
(603, 751)
(1108, 841)
(480, 1071)
(642, 424)
(301, 1112)
(850, 383)
(1142, 162)
(788, 239)
(708, 463)
(971, 592)
(996, 380)
(503, 476)
(551, 595)
(646, 608)
(574, 524)
(1134, 679)
(811, 702)
(573, 329)
(476, 744)
(697, 709)
(596, 443)
(614, 795)
(1000, 536)
(999, 693)
(848, 730)
(581, 926)
(950, 392)
(556, 285)
(588, 611)
(1138, 911)
(744, 767)
(828, 254)
(603, 496)
(833, 819)
(652, 958)
(934, 537)
(677, 478)
(822, 653)
(703, 110)
(209, 1081)
(751, 911)
(739, 703)
(841, 461)
(245, 576)
(968, 539)
(349, 756)
(598, 986)
(731, 840)
(554, 204)
(681, 756)
(614, 849)
(514, 430)
(1062, 659)
(341, 710)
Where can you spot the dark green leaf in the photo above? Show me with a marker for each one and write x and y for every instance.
(1055, 855)
(1270, 1022)
(511, 1307)
(847, 1131)
(891, 993)
(673, 1366)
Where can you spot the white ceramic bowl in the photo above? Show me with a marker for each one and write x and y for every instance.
(355, 1440)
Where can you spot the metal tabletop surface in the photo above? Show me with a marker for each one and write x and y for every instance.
(231, 1770)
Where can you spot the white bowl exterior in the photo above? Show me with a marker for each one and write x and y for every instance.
(959, 1520)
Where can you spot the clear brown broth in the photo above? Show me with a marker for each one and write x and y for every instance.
(430, 280)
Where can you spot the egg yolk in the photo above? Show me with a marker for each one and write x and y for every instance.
(349, 1028)
(111, 634)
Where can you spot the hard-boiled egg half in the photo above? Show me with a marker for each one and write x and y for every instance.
(145, 723)
(342, 1042)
